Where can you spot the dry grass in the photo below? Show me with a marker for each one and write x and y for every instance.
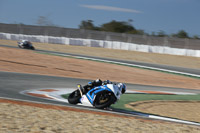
(186, 110)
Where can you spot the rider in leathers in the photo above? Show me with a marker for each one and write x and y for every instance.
(120, 87)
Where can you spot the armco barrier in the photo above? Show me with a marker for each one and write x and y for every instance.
(103, 44)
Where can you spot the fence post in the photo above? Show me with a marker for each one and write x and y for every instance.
(20, 30)
(108, 37)
(129, 39)
(148, 39)
(166, 42)
(186, 43)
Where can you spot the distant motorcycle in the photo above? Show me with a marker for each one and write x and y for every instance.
(99, 97)
(26, 45)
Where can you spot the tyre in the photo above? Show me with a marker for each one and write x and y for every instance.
(32, 48)
(104, 99)
(19, 46)
(74, 97)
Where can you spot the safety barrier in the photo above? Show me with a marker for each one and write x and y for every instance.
(101, 43)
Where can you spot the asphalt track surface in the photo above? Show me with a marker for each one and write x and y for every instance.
(11, 84)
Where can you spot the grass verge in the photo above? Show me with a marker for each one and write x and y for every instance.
(128, 98)
(65, 96)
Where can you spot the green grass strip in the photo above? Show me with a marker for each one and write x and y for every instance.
(128, 98)
(65, 96)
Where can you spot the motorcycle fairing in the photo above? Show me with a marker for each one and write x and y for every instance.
(92, 93)
(84, 101)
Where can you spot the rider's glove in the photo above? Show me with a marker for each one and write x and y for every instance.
(107, 82)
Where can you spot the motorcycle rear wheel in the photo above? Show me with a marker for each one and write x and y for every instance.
(20, 46)
(104, 99)
(33, 48)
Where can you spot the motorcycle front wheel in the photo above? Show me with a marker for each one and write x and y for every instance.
(19, 46)
(74, 97)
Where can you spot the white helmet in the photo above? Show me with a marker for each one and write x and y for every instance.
(122, 87)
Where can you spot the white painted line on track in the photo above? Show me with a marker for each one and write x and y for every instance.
(15, 99)
(132, 65)
(58, 98)
(174, 120)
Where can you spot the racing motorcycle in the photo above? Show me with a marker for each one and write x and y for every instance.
(27, 45)
(100, 97)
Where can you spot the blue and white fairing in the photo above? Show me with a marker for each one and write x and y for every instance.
(90, 96)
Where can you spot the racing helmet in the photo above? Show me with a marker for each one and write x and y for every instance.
(89, 84)
(97, 82)
(107, 82)
(122, 87)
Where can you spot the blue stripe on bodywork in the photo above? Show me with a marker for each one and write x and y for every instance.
(91, 94)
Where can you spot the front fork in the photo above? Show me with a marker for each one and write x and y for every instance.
(80, 89)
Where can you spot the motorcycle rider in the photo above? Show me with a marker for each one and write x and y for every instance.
(24, 43)
(120, 87)
(90, 85)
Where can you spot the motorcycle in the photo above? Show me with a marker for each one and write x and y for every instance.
(100, 97)
(28, 45)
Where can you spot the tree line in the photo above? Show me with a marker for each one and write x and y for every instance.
(119, 27)
(127, 27)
